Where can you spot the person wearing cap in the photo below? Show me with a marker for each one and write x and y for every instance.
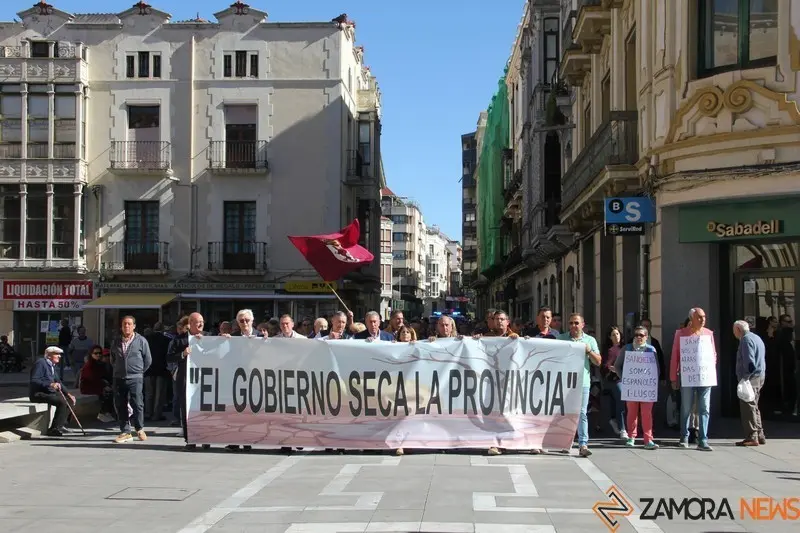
(47, 387)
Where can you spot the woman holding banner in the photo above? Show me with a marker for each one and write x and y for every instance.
(639, 388)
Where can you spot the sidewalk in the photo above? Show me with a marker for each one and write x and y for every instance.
(213, 491)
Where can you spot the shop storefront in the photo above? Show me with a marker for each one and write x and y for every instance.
(758, 267)
(37, 309)
(166, 302)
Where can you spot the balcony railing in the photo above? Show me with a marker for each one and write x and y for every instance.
(10, 150)
(136, 256)
(36, 250)
(546, 215)
(238, 155)
(512, 186)
(63, 250)
(358, 167)
(9, 250)
(567, 43)
(140, 155)
(615, 143)
(237, 256)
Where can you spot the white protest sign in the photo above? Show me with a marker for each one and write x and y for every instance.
(639, 381)
(698, 366)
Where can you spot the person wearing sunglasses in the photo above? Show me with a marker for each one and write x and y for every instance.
(576, 334)
(639, 344)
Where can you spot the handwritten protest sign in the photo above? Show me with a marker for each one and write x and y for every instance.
(639, 381)
(698, 365)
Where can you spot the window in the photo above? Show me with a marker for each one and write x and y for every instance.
(400, 219)
(430, 249)
(736, 34)
(469, 217)
(386, 277)
(240, 222)
(141, 235)
(10, 217)
(401, 255)
(63, 221)
(400, 237)
(146, 65)
(38, 101)
(240, 64)
(550, 49)
(41, 49)
(364, 142)
(239, 236)
(36, 222)
(240, 136)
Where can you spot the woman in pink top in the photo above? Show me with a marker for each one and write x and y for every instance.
(611, 349)
(688, 393)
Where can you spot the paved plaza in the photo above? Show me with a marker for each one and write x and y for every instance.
(88, 484)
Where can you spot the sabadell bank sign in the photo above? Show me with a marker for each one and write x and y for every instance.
(47, 295)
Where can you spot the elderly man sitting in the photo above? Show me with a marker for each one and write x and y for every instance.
(46, 387)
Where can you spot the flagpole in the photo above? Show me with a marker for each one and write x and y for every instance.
(347, 309)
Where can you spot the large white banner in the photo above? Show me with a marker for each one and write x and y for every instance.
(450, 393)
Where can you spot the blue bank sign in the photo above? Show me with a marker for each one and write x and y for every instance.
(628, 216)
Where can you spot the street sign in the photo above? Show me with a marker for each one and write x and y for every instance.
(628, 216)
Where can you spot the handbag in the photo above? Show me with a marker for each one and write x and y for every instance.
(745, 392)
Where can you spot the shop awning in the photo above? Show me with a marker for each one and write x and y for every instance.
(253, 296)
(131, 301)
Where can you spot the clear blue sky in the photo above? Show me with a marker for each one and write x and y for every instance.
(437, 63)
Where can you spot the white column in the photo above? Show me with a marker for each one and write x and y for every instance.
(79, 112)
(23, 211)
(77, 238)
(51, 113)
(24, 122)
(49, 253)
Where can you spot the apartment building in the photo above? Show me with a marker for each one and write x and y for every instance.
(437, 270)
(166, 163)
(695, 106)
(408, 252)
(387, 261)
(469, 213)
(456, 299)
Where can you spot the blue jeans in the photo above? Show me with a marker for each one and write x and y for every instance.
(583, 420)
(688, 397)
(618, 408)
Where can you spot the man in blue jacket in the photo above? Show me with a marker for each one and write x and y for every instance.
(373, 332)
(130, 358)
(46, 387)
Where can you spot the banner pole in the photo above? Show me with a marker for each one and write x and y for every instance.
(347, 309)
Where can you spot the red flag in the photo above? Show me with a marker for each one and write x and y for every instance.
(336, 254)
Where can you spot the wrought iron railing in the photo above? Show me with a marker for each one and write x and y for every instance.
(616, 142)
(237, 255)
(545, 215)
(238, 155)
(140, 155)
(133, 256)
(358, 166)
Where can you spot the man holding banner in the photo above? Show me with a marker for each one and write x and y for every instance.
(637, 364)
(694, 360)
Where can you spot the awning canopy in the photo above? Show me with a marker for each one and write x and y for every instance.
(131, 301)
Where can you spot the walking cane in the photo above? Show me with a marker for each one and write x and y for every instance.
(61, 392)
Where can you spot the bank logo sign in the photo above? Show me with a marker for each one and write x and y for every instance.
(745, 229)
(629, 216)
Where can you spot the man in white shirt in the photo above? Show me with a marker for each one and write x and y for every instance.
(287, 331)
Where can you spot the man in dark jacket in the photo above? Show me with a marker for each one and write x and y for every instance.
(177, 353)
(156, 378)
(130, 358)
(373, 332)
(46, 387)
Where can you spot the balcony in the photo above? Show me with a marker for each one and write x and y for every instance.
(358, 168)
(140, 157)
(236, 157)
(61, 257)
(512, 193)
(136, 258)
(614, 144)
(249, 257)
(592, 23)
(575, 61)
